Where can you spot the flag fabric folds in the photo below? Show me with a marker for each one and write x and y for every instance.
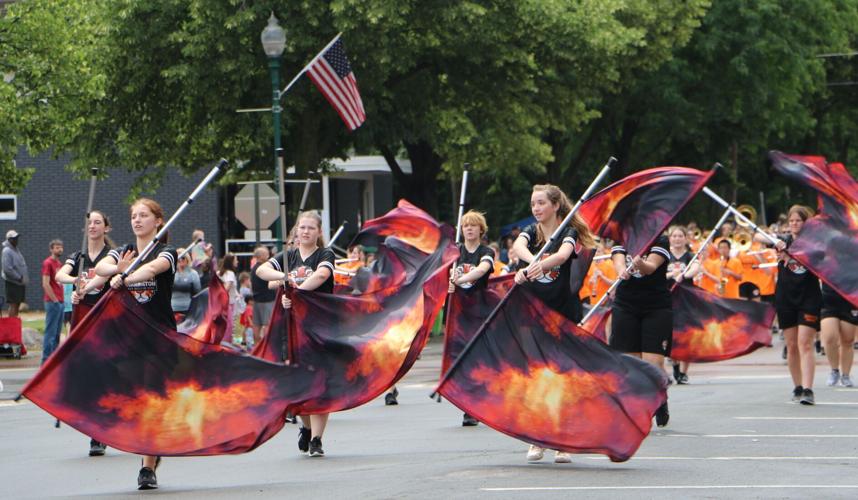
(828, 242)
(127, 381)
(368, 338)
(635, 210)
(208, 314)
(707, 327)
(534, 375)
(333, 76)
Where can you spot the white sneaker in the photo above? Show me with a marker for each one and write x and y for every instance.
(845, 381)
(561, 457)
(833, 378)
(535, 453)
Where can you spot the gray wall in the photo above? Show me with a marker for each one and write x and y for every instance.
(53, 205)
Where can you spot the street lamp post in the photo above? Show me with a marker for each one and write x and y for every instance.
(273, 42)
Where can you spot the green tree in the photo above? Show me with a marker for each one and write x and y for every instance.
(748, 81)
(47, 64)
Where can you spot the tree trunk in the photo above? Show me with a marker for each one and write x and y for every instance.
(421, 186)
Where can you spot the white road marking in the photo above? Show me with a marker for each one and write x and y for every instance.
(796, 418)
(761, 435)
(733, 458)
(681, 487)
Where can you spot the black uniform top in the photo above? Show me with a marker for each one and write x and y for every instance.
(154, 295)
(261, 292)
(678, 265)
(553, 287)
(796, 284)
(468, 261)
(301, 269)
(89, 271)
(645, 292)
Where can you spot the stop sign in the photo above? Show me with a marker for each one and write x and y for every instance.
(268, 203)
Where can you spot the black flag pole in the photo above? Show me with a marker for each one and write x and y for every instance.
(141, 256)
(554, 237)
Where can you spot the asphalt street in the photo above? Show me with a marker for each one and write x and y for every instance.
(733, 433)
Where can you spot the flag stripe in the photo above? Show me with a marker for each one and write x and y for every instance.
(330, 92)
(333, 77)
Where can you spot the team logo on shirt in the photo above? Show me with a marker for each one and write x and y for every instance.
(795, 267)
(636, 273)
(854, 313)
(143, 291)
(552, 274)
(464, 269)
(676, 267)
(300, 274)
(90, 275)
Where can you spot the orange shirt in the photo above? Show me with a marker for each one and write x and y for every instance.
(498, 269)
(763, 278)
(713, 267)
(731, 286)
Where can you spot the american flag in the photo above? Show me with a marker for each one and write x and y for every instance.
(333, 75)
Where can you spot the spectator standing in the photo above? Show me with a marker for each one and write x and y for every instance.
(186, 284)
(14, 271)
(53, 297)
(263, 297)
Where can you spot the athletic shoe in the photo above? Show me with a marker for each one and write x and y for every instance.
(316, 447)
(96, 449)
(662, 415)
(676, 373)
(683, 379)
(797, 393)
(807, 398)
(833, 378)
(304, 439)
(469, 421)
(390, 397)
(561, 457)
(845, 381)
(146, 479)
(535, 453)
(784, 353)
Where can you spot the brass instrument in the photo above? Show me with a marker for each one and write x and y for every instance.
(742, 240)
(748, 211)
(696, 234)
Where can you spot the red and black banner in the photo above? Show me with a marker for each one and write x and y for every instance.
(130, 382)
(366, 340)
(534, 375)
(828, 242)
(707, 327)
(208, 314)
(635, 210)
(467, 311)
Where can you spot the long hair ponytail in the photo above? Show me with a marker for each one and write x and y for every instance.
(556, 195)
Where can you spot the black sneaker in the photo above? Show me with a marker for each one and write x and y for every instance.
(807, 398)
(390, 397)
(96, 449)
(469, 421)
(797, 393)
(676, 373)
(662, 415)
(316, 447)
(682, 379)
(303, 439)
(146, 480)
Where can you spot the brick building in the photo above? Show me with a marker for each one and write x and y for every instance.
(54, 203)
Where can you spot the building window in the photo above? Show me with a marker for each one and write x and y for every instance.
(8, 207)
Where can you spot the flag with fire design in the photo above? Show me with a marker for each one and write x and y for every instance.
(367, 338)
(128, 381)
(707, 327)
(208, 314)
(828, 242)
(534, 375)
